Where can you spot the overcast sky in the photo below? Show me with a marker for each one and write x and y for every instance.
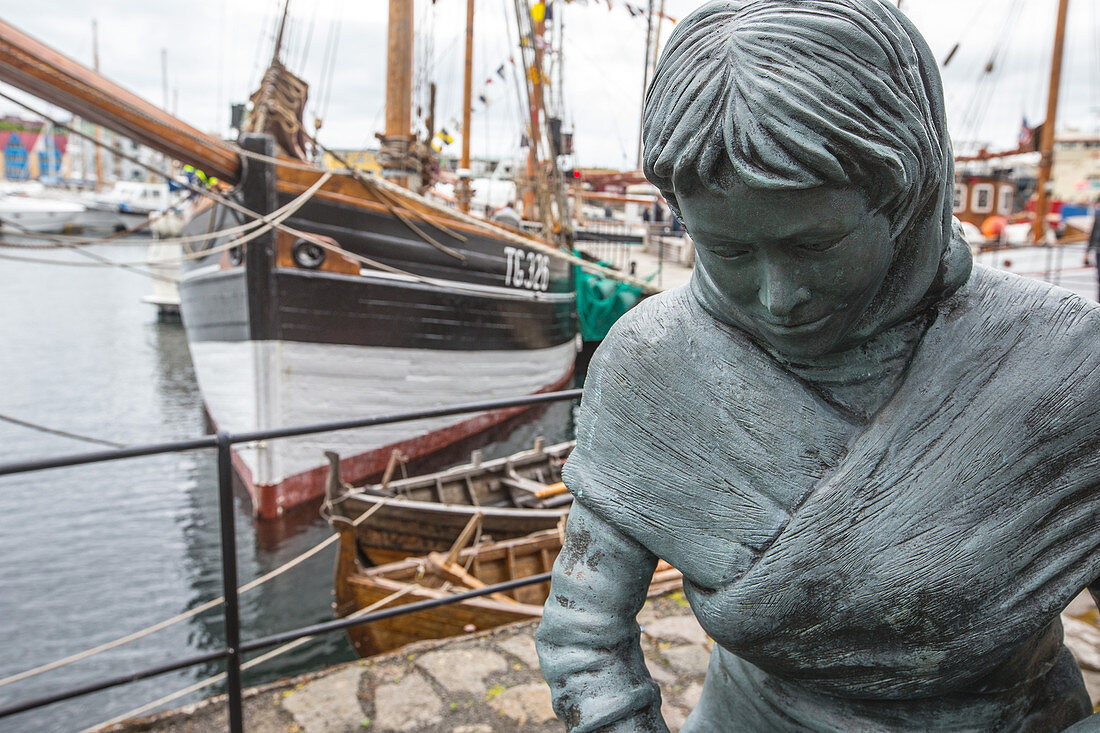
(216, 50)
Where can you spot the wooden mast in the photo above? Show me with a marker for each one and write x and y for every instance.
(98, 132)
(645, 77)
(657, 39)
(462, 191)
(1046, 143)
(279, 36)
(535, 74)
(399, 66)
(652, 49)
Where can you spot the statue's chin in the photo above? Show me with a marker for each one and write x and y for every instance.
(797, 344)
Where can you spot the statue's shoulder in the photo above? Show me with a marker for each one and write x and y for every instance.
(997, 299)
(1026, 336)
(662, 321)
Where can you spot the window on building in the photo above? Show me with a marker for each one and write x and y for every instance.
(49, 160)
(983, 198)
(960, 198)
(15, 160)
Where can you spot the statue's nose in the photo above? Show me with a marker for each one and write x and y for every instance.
(780, 291)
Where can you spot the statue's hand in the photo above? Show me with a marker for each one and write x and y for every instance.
(588, 640)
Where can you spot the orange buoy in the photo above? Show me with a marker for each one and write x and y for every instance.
(993, 227)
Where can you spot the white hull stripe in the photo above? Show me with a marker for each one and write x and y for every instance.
(257, 385)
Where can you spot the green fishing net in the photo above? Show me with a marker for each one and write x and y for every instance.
(601, 301)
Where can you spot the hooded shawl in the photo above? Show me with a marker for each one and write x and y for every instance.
(863, 559)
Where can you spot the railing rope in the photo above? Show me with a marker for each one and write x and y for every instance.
(273, 640)
(214, 603)
(202, 684)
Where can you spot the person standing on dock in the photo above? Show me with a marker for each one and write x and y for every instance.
(1094, 244)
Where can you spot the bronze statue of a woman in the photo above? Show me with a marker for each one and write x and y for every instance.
(877, 466)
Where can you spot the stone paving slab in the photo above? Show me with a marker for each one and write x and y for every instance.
(408, 703)
(522, 647)
(329, 703)
(463, 670)
(486, 683)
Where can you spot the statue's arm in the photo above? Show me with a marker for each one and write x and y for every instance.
(588, 640)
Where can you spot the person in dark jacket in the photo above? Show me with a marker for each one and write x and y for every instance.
(1094, 245)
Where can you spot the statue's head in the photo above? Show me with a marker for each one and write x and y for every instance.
(803, 144)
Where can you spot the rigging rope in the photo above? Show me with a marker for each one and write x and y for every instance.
(280, 216)
(333, 44)
(62, 433)
(63, 241)
(988, 77)
(327, 513)
(66, 241)
(486, 227)
(100, 261)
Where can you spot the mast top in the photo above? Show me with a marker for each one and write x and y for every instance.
(279, 35)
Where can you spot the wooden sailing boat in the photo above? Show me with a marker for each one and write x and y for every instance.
(980, 196)
(511, 496)
(469, 526)
(356, 297)
(434, 576)
(360, 588)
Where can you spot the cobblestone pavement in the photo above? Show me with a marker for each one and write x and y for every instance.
(490, 683)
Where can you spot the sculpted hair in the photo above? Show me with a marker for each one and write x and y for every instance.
(793, 94)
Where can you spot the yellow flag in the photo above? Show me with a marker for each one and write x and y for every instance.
(538, 12)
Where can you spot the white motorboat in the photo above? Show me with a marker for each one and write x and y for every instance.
(20, 213)
(124, 205)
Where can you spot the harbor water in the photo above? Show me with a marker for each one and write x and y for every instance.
(92, 553)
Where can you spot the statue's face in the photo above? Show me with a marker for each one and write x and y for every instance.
(793, 268)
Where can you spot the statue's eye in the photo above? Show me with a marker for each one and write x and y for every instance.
(729, 251)
(821, 245)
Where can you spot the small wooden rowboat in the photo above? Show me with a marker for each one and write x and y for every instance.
(395, 519)
(360, 589)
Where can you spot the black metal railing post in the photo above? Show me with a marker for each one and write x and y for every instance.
(229, 583)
